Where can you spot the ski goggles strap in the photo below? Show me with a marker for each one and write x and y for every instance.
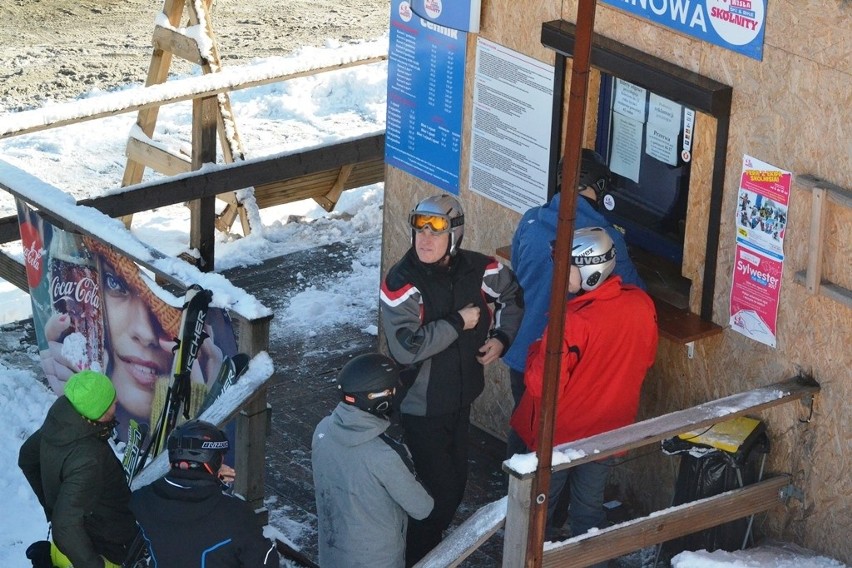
(436, 223)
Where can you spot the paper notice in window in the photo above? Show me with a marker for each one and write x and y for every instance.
(663, 130)
(626, 147)
(629, 100)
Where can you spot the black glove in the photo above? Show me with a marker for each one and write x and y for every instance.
(39, 554)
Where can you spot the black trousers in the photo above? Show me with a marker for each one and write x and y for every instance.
(438, 446)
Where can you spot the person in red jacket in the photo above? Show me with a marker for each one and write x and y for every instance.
(609, 343)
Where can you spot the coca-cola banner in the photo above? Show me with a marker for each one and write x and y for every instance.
(93, 308)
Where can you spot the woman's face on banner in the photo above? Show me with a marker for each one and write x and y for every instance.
(136, 353)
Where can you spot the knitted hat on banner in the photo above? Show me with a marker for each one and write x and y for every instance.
(90, 393)
(167, 316)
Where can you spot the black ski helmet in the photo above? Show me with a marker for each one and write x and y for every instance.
(197, 444)
(368, 382)
(593, 173)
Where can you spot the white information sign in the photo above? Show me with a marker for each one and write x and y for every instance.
(626, 146)
(663, 129)
(629, 100)
(510, 134)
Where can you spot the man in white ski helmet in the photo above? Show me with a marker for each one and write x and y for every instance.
(609, 343)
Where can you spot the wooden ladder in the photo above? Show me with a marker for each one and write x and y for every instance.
(168, 40)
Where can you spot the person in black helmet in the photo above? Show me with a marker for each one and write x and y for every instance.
(446, 313)
(532, 250)
(364, 481)
(185, 517)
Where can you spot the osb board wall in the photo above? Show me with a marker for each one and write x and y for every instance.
(790, 110)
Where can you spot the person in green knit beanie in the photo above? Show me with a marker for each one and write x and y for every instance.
(78, 479)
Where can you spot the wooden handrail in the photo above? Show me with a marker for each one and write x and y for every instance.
(653, 430)
(216, 179)
(120, 102)
(667, 524)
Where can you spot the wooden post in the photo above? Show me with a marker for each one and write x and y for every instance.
(813, 276)
(253, 337)
(516, 532)
(559, 290)
(203, 211)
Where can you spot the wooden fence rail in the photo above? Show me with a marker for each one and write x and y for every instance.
(513, 515)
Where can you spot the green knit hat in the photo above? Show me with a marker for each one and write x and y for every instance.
(90, 393)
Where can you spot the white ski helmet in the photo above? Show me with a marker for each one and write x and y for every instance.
(593, 252)
(439, 213)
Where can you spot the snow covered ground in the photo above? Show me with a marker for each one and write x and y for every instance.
(88, 160)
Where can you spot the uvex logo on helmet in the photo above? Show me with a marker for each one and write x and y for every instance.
(214, 445)
(595, 259)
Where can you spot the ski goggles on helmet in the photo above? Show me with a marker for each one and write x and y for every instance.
(436, 223)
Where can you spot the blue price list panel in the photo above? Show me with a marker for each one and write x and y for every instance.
(425, 90)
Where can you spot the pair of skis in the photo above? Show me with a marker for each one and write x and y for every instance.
(177, 398)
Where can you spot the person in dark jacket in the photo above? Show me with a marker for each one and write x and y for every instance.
(77, 477)
(364, 480)
(532, 249)
(446, 313)
(185, 517)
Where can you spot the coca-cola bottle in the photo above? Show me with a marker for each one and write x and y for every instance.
(75, 290)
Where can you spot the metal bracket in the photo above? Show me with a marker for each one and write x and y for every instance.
(791, 491)
(690, 350)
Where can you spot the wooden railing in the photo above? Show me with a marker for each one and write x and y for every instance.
(321, 173)
(513, 514)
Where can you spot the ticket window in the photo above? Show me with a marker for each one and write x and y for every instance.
(646, 141)
(646, 109)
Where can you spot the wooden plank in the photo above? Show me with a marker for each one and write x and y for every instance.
(176, 43)
(13, 272)
(222, 179)
(203, 210)
(253, 338)
(829, 289)
(504, 252)
(646, 432)
(667, 524)
(329, 200)
(318, 185)
(836, 194)
(461, 543)
(819, 211)
(157, 94)
(517, 521)
(156, 157)
(231, 177)
(682, 326)
(146, 119)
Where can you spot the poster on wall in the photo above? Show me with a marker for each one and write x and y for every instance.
(425, 97)
(510, 134)
(93, 308)
(761, 223)
(737, 25)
